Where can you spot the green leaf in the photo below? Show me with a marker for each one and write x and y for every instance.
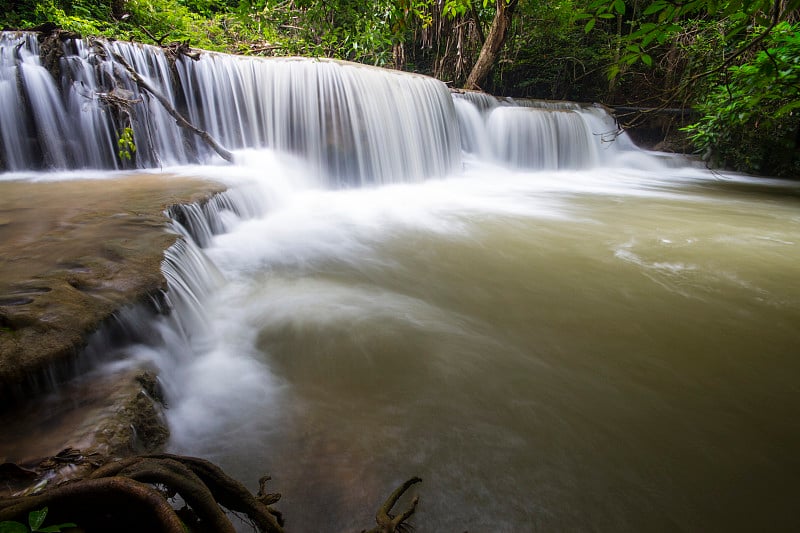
(647, 60)
(648, 38)
(791, 106)
(619, 6)
(589, 25)
(36, 518)
(56, 529)
(597, 5)
(12, 527)
(655, 7)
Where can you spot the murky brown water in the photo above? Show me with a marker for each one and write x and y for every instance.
(587, 354)
(554, 352)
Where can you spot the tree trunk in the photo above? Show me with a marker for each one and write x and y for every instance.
(118, 9)
(493, 43)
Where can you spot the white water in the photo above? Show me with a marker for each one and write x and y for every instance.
(603, 349)
(350, 123)
(555, 331)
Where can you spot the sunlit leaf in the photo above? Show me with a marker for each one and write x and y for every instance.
(655, 7)
(36, 518)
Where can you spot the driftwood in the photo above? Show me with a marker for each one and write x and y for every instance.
(132, 495)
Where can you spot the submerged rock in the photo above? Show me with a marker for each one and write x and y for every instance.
(89, 421)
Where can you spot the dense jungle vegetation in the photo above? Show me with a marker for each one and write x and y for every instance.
(734, 63)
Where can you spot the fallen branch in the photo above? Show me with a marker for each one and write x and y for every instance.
(180, 119)
(181, 49)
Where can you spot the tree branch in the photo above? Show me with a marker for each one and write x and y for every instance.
(180, 119)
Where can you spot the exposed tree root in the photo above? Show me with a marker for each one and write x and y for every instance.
(131, 495)
(202, 485)
(388, 523)
(107, 504)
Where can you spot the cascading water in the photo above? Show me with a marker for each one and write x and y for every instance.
(539, 135)
(559, 332)
(352, 124)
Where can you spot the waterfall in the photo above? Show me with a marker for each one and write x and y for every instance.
(353, 125)
(347, 124)
(538, 134)
(518, 306)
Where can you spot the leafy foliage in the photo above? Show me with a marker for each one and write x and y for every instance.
(736, 61)
(342, 29)
(750, 119)
(551, 57)
(126, 144)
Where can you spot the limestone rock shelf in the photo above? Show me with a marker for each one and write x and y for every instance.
(72, 254)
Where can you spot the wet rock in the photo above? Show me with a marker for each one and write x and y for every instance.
(90, 421)
(72, 254)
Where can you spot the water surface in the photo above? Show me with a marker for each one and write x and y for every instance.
(610, 349)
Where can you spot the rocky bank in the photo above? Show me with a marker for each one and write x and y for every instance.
(73, 254)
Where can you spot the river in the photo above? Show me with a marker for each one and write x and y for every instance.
(555, 330)
(610, 350)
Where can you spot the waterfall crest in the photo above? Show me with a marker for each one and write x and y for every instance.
(354, 125)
